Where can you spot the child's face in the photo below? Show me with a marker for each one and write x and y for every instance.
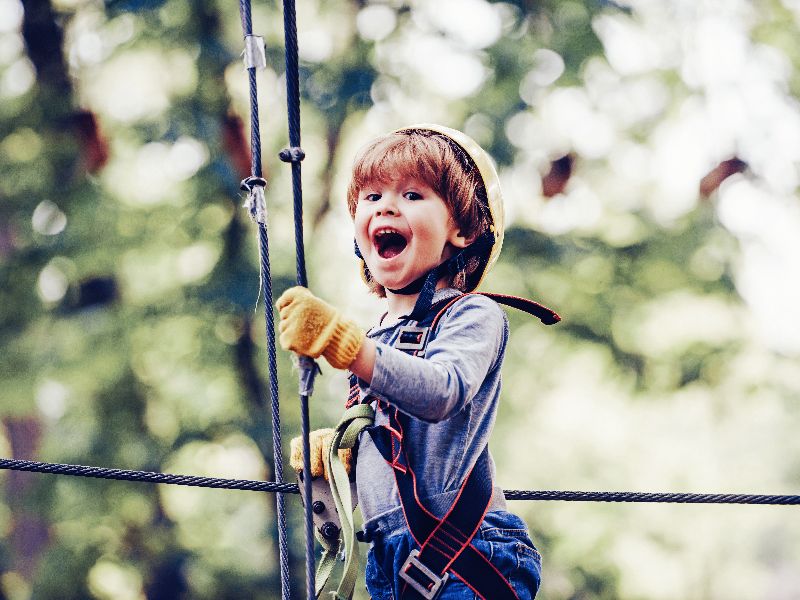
(403, 230)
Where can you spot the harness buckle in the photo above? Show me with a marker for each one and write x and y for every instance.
(412, 338)
(428, 591)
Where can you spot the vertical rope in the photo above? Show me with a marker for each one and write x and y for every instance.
(308, 367)
(277, 445)
(266, 285)
(293, 106)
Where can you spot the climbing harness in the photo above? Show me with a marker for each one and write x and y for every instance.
(444, 544)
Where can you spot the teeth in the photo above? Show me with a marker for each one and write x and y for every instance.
(386, 230)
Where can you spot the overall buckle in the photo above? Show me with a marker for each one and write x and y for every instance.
(412, 338)
(428, 591)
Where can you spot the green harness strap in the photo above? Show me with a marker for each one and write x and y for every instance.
(354, 421)
(330, 552)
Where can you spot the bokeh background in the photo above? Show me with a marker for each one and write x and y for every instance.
(649, 154)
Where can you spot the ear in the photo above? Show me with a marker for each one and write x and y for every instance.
(458, 240)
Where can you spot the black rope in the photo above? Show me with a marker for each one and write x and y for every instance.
(292, 488)
(308, 368)
(651, 497)
(256, 179)
(294, 154)
(148, 476)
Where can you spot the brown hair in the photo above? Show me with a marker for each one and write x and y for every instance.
(442, 165)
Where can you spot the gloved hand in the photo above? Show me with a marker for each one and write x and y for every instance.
(320, 441)
(312, 327)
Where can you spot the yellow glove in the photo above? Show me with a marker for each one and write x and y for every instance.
(312, 327)
(320, 441)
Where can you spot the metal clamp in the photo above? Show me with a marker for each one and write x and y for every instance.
(293, 154)
(255, 54)
(326, 518)
(428, 591)
(308, 372)
(412, 338)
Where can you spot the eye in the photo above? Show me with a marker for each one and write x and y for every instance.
(373, 197)
(412, 196)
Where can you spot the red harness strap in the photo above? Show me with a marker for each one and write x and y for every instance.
(444, 544)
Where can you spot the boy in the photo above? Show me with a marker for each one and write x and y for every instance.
(427, 213)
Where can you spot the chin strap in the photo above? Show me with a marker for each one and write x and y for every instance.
(454, 264)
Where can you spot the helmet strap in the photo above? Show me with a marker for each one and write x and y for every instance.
(426, 285)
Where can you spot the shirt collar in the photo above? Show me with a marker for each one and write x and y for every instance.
(438, 296)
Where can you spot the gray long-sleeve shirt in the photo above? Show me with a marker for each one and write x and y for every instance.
(451, 395)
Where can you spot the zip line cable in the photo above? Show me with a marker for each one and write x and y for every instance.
(255, 58)
(293, 488)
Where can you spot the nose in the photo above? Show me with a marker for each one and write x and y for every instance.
(387, 205)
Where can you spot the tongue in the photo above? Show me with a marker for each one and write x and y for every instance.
(392, 250)
(391, 244)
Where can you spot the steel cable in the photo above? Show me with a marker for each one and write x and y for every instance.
(308, 368)
(266, 288)
(292, 488)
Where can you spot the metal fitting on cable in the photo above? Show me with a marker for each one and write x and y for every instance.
(256, 204)
(255, 54)
(294, 154)
(308, 371)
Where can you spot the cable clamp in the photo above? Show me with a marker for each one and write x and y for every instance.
(295, 154)
(256, 203)
(308, 371)
(255, 54)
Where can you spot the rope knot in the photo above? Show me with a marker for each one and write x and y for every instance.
(255, 203)
(294, 154)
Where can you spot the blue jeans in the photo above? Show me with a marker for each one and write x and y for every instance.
(503, 538)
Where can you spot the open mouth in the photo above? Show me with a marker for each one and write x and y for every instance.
(389, 243)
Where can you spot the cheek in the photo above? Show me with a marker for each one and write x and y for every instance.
(360, 224)
(432, 226)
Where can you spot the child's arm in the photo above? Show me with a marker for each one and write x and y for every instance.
(364, 363)
(469, 341)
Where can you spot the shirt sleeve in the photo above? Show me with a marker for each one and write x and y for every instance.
(468, 342)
